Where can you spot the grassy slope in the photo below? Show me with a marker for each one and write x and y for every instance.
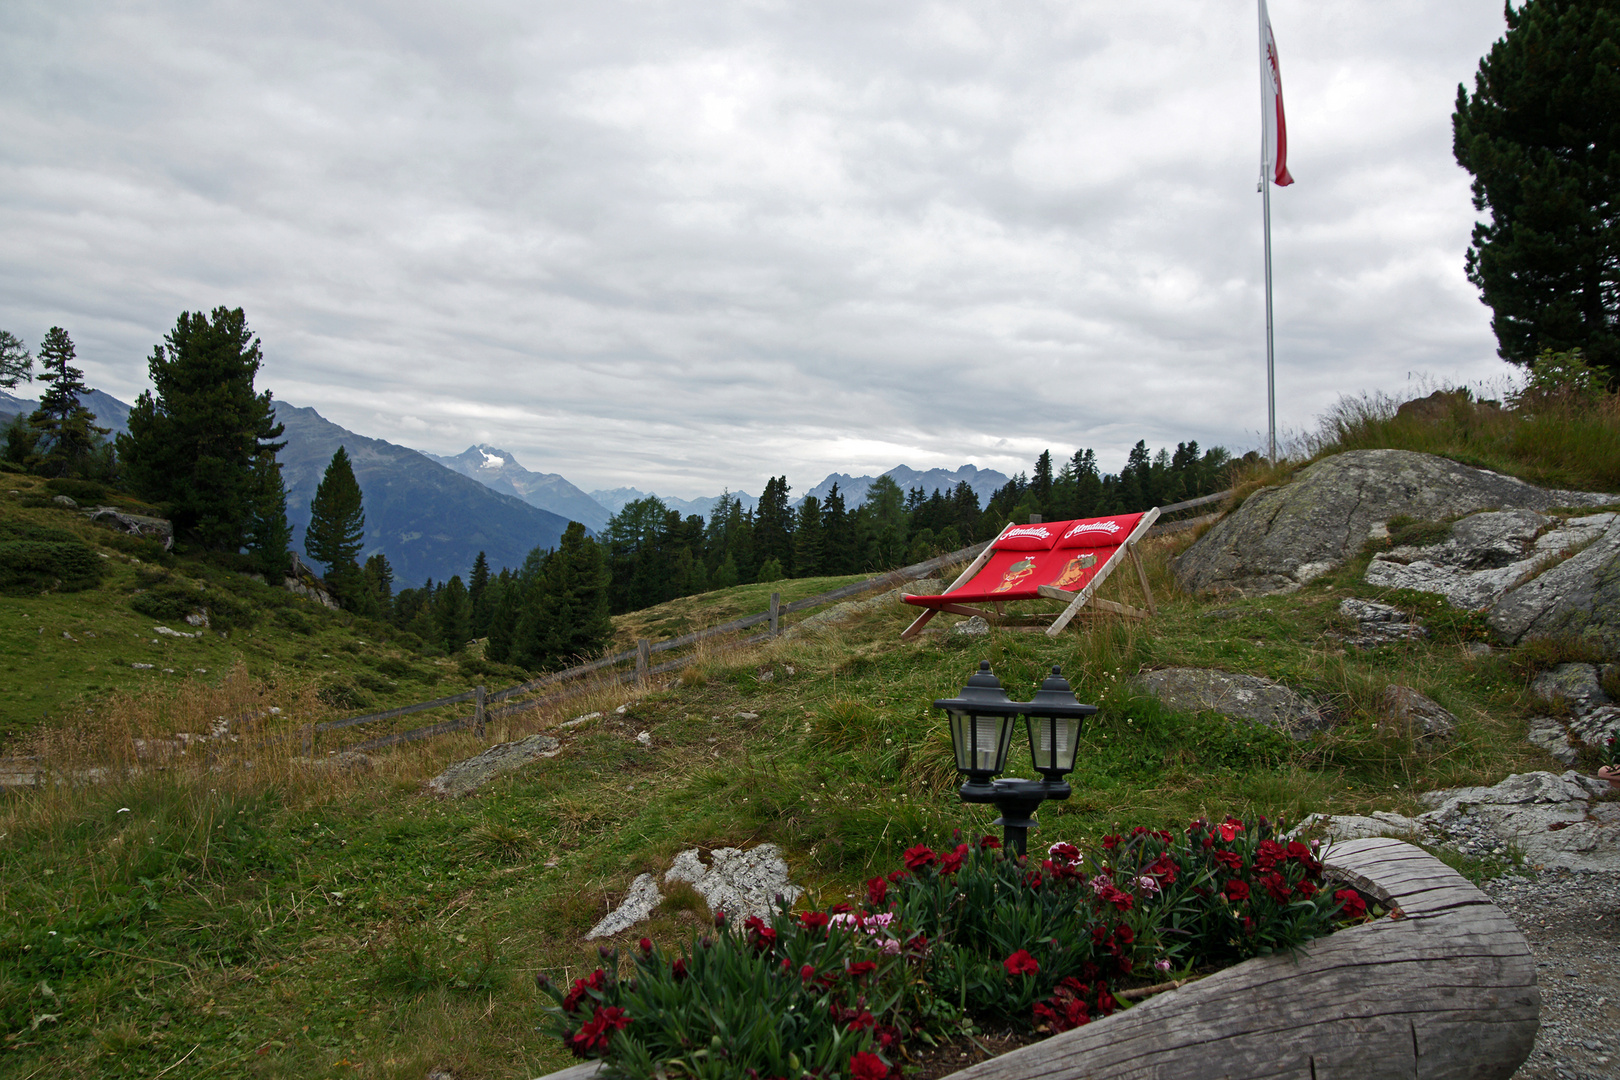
(292, 922)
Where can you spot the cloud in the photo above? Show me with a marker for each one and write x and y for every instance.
(685, 247)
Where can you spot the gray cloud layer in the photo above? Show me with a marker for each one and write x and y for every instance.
(683, 246)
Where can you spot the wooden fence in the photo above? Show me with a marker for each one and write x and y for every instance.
(643, 652)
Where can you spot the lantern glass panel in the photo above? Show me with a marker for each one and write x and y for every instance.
(981, 741)
(1052, 741)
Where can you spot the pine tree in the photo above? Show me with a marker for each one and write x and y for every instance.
(838, 535)
(380, 583)
(1541, 140)
(195, 439)
(773, 525)
(16, 362)
(65, 431)
(564, 615)
(337, 526)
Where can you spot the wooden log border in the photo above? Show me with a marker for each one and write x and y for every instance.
(1445, 992)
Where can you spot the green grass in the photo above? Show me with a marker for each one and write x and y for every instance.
(279, 919)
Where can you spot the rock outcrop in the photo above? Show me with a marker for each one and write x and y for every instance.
(1239, 697)
(466, 777)
(1553, 821)
(736, 882)
(1281, 538)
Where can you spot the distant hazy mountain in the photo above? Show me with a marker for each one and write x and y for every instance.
(429, 520)
(615, 499)
(984, 483)
(109, 411)
(499, 470)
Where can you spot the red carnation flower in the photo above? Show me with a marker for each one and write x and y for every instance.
(1276, 887)
(1236, 891)
(581, 988)
(1230, 828)
(950, 863)
(679, 968)
(1351, 905)
(988, 843)
(897, 876)
(1229, 859)
(813, 920)
(877, 890)
(919, 857)
(1021, 963)
(865, 1066)
(861, 968)
(646, 946)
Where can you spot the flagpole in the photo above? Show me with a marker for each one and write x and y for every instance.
(1271, 365)
(1265, 202)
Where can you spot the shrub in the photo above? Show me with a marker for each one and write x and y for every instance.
(83, 492)
(34, 565)
(173, 600)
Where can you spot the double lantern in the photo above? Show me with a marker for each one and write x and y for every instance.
(982, 720)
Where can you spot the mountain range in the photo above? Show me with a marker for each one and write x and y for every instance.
(499, 470)
(432, 515)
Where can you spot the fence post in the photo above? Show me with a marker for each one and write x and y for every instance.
(776, 611)
(478, 712)
(643, 660)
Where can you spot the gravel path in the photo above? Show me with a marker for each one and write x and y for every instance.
(1572, 921)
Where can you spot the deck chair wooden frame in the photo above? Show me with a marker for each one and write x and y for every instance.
(1075, 603)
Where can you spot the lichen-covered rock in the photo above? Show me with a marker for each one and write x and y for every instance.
(1358, 827)
(1576, 685)
(466, 777)
(637, 905)
(1282, 537)
(1378, 624)
(1416, 715)
(1551, 819)
(1239, 697)
(1579, 597)
(1486, 555)
(739, 883)
(1550, 735)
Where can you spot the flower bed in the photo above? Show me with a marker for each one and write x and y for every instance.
(955, 940)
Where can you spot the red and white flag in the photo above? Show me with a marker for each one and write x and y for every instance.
(1274, 137)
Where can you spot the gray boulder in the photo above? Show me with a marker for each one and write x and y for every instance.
(466, 777)
(1281, 538)
(1576, 685)
(1579, 597)
(637, 905)
(739, 883)
(1378, 624)
(1415, 715)
(1552, 820)
(1486, 555)
(1550, 735)
(1239, 697)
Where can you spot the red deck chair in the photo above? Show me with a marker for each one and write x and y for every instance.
(1054, 560)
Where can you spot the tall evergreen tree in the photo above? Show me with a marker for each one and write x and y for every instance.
(337, 526)
(16, 362)
(1541, 137)
(809, 542)
(564, 615)
(380, 583)
(65, 431)
(194, 440)
(478, 595)
(452, 611)
(268, 534)
(773, 525)
(837, 535)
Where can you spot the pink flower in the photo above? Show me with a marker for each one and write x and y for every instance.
(1162, 965)
(1147, 884)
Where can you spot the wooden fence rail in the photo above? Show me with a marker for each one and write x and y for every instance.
(642, 653)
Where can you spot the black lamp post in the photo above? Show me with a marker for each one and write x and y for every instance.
(981, 732)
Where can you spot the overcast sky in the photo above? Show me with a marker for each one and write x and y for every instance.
(685, 246)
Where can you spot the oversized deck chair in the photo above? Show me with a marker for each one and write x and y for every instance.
(1056, 560)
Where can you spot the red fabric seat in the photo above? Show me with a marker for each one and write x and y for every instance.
(1063, 554)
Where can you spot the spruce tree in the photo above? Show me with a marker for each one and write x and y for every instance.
(452, 610)
(809, 542)
(380, 583)
(337, 526)
(65, 431)
(773, 524)
(1541, 137)
(478, 595)
(195, 439)
(268, 534)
